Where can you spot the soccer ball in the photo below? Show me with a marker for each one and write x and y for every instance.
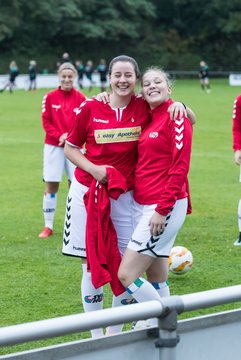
(180, 260)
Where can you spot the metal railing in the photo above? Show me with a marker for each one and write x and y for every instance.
(194, 74)
(166, 310)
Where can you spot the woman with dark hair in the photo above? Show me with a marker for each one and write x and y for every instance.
(110, 133)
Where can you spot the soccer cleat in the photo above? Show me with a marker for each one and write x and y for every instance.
(137, 325)
(140, 324)
(237, 242)
(144, 324)
(46, 232)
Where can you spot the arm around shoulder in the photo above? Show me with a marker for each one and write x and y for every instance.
(237, 157)
(191, 115)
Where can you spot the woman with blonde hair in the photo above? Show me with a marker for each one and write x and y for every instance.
(161, 191)
(59, 109)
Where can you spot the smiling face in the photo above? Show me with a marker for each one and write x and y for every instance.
(122, 79)
(66, 79)
(155, 87)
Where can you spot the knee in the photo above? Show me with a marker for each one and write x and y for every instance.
(51, 187)
(123, 277)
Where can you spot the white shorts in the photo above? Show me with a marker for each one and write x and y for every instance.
(75, 220)
(156, 246)
(55, 163)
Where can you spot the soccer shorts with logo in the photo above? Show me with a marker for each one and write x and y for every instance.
(156, 246)
(75, 220)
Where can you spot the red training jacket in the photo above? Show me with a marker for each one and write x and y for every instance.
(103, 256)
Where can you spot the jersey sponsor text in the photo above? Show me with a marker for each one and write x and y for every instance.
(117, 135)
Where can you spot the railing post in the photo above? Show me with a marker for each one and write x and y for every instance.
(167, 323)
(168, 337)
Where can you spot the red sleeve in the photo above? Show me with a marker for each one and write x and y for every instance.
(180, 134)
(47, 120)
(236, 130)
(78, 133)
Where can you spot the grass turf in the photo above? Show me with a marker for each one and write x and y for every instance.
(37, 282)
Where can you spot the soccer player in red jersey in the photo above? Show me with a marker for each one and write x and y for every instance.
(236, 131)
(110, 133)
(161, 191)
(59, 109)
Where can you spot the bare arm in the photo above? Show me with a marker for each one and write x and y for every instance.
(191, 115)
(104, 97)
(77, 158)
(177, 110)
(237, 157)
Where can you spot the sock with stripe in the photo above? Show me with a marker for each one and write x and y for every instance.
(123, 299)
(163, 291)
(142, 290)
(162, 288)
(49, 207)
(92, 298)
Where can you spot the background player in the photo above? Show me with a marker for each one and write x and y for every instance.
(59, 109)
(236, 131)
(32, 72)
(89, 70)
(13, 73)
(102, 70)
(204, 77)
(80, 70)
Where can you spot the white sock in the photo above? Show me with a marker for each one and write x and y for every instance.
(162, 288)
(49, 207)
(92, 298)
(142, 290)
(123, 299)
(239, 215)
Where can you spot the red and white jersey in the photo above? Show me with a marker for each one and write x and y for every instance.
(110, 136)
(237, 124)
(59, 109)
(164, 153)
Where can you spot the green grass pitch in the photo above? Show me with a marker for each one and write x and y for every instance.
(37, 282)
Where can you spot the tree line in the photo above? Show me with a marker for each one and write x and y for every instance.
(174, 34)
